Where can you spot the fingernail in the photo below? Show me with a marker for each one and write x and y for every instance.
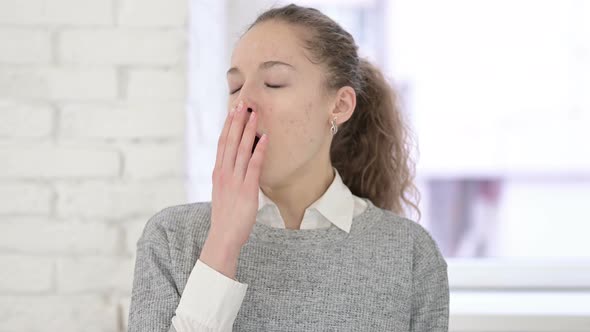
(240, 105)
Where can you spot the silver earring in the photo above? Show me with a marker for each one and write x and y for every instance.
(334, 128)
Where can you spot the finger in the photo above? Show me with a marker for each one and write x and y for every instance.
(245, 148)
(252, 179)
(233, 139)
(222, 139)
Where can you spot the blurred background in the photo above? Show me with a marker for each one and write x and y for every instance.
(110, 110)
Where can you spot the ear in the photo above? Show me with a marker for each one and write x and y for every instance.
(344, 104)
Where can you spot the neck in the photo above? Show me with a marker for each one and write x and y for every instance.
(301, 189)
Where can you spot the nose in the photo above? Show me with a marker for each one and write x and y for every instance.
(250, 105)
(249, 97)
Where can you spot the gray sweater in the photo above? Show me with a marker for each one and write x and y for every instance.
(387, 274)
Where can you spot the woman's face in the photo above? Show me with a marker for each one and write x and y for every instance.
(271, 73)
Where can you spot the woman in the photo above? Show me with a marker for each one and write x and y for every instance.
(304, 231)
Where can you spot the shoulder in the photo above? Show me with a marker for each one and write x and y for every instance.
(414, 237)
(177, 222)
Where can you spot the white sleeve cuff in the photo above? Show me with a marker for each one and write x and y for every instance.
(210, 298)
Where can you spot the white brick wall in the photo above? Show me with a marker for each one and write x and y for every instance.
(155, 84)
(92, 143)
(121, 46)
(122, 121)
(57, 12)
(25, 46)
(16, 120)
(50, 312)
(34, 198)
(58, 83)
(153, 13)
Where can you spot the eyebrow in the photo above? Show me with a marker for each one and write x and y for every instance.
(264, 65)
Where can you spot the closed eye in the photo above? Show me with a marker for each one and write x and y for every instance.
(272, 86)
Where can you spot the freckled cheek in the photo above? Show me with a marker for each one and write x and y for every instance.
(298, 134)
(288, 134)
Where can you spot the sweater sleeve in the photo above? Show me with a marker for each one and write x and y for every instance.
(210, 300)
(154, 295)
(430, 300)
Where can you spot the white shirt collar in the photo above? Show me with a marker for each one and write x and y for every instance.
(336, 205)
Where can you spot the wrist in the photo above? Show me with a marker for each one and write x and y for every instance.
(220, 256)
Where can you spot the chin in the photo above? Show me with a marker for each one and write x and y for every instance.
(276, 175)
(268, 178)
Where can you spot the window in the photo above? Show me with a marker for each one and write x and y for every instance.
(499, 95)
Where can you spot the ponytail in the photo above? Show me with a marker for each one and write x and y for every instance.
(372, 149)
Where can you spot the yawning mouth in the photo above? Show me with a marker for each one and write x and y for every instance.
(256, 139)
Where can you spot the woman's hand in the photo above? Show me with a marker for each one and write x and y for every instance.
(234, 201)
